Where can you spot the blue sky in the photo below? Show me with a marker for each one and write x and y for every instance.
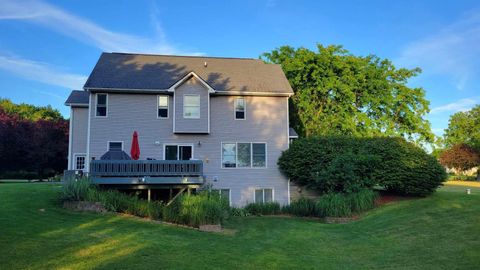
(49, 48)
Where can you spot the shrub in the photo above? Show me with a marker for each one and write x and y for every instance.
(454, 177)
(303, 207)
(362, 200)
(76, 189)
(271, 208)
(349, 164)
(405, 168)
(238, 212)
(334, 205)
(195, 210)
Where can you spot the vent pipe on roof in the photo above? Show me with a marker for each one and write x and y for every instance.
(205, 64)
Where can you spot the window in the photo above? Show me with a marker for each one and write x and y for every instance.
(229, 151)
(263, 195)
(191, 106)
(115, 146)
(244, 155)
(224, 194)
(162, 107)
(239, 108)
(101, 108)
(79, 162)
(258, 154)
(178, 152)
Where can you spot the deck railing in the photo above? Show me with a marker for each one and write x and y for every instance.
(142, 168)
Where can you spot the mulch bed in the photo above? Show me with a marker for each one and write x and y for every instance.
(385, 198)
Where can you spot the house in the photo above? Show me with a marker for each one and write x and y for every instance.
(220, 122)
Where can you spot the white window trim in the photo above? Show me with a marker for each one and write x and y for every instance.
(244, 108)
(251, 156)
(168, 106)
(178, 145)
(106, 105)
(199, 106)
(108, 144)
(263, 193)
(75, 155)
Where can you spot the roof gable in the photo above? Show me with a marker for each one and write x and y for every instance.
(186, 78)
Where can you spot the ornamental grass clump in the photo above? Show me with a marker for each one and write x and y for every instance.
(195, 210)
(303, 207)
(76, 189)
(263, 209)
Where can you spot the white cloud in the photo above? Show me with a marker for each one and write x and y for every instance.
(457, 106)
(454, 51)
(84, 30)
(41, 72)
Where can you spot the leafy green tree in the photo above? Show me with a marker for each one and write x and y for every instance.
(337, 93)
(30, 112)
(464, 127)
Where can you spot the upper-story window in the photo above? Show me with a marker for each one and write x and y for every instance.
(244, 155)
(191, 106)
(115, 146)
(101, 106)
(162, 107)
(240, 108)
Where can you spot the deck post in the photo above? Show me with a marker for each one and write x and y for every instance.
(149, 195)
(171, 194)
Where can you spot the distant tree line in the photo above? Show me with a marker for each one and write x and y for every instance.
(33, 141)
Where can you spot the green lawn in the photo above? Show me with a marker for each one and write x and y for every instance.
(439, 232)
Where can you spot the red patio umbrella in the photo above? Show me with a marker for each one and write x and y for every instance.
(135, 150)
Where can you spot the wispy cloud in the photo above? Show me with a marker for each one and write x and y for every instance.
(41, 72)
(457, 106)
(85, 30)
(454, 51)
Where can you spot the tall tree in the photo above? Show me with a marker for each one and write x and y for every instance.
(30, 112)
(464, 127)
(337, 93)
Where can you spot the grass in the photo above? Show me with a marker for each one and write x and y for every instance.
(464, 183)
(438, 232)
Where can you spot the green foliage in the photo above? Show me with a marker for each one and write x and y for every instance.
(334, 205)
(30, 112)
(303, 207)
(238, 212)
(349, 164)
(464, 127)
(195, 210)
(76, 189)
(337, 93)
(362, 200)
(259, 209)
(454, 177)
(405, 168)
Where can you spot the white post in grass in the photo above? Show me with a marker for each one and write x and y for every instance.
(468, 191)
(149, 195)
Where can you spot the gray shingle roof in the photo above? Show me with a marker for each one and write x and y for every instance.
(160, 72)
(79, 97)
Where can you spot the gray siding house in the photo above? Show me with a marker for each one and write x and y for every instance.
(221, 122)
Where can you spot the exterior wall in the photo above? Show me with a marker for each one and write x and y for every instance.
(187, 125)
(266, 121)
(79, 122)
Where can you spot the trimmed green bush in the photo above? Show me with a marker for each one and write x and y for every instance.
(238, 212)
(259, 209)
(303, 207)
(349, 164)
(76, 189)
(195, 210)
